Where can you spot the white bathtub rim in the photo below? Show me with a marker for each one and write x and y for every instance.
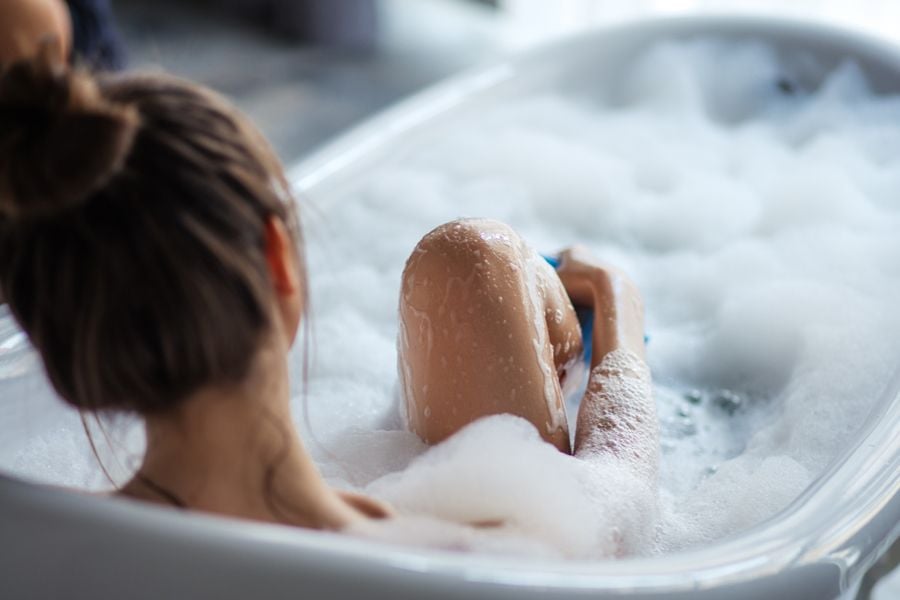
(291, 547)
(747, 557)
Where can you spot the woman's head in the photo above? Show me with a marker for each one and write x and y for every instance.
(142, 230)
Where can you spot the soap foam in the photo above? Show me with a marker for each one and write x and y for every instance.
(757, 214)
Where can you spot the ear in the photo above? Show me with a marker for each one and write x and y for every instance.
(281, 257)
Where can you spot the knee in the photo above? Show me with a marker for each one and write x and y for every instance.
(478, 253)
(464, 243)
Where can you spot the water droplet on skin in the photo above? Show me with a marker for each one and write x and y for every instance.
(427, 412)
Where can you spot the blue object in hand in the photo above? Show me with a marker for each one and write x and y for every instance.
(585, 316)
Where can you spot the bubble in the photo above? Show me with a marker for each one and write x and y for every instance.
(727, 401)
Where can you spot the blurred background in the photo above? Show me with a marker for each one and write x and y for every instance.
(307, 69)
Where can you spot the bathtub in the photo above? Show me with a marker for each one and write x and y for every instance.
(61, 544)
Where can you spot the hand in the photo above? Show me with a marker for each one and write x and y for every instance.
(618, 307)
(585, 278)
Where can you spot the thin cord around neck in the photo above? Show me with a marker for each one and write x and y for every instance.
(158, 489)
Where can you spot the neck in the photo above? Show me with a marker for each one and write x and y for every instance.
(236, 452)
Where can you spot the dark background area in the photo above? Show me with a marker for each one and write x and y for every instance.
(300, 84)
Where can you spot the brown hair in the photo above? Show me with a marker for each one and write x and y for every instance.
(133, 212)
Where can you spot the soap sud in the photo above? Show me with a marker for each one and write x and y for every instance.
(759, 225)
(571, 507)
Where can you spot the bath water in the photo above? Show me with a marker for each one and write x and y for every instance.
(757, 213)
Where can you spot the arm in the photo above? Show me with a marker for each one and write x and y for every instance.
(617, 415)
(617, 304)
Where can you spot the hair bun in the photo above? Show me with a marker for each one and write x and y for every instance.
(60, 139)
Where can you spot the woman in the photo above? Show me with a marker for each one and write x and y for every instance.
(149, 249)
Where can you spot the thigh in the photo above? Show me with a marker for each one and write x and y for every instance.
(485, 328)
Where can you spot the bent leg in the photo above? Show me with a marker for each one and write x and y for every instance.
(485, 328)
